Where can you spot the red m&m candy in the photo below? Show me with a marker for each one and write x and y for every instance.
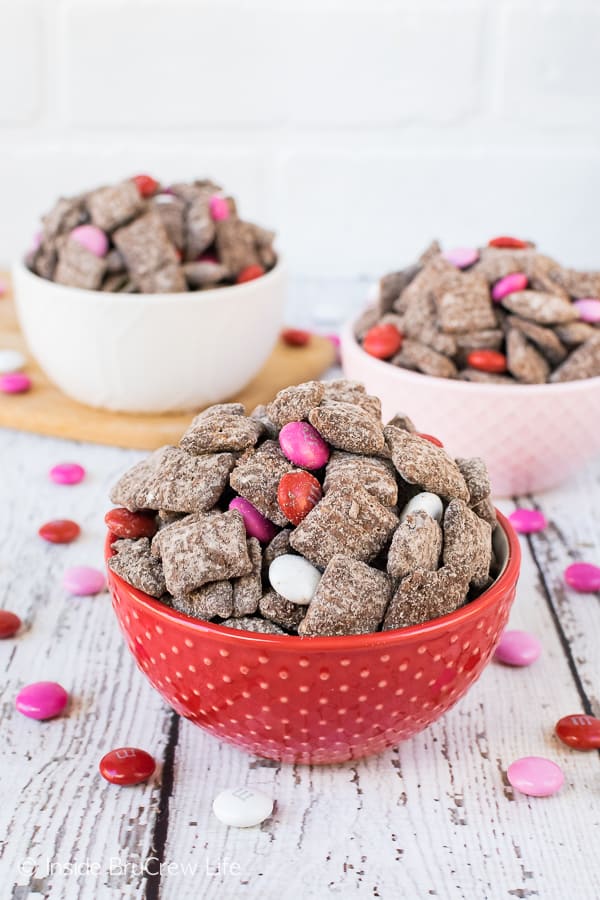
(508, 243)
(249, 274)
(125, 524)
(487, 361)
(9, 623)
(297, 494)
(295, 337)
(430, 438)
(579, 731)
(382, 341)
(60, 531)
(127, 765)
(146, 185)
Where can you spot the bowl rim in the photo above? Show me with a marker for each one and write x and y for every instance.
(377, 639)
(228, 292)
(349, 342)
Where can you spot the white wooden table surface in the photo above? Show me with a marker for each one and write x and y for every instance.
(433, 817)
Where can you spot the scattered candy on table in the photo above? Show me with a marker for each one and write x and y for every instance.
(257, 525)
(535, 776)
(461, 257)
(294, 578)
(297, 494)
(584, 577)
(242, 807)
(11, 361)
(295, 337)
(131, 525)
(580, 731)
(67, 473)
(60, 531)
(9, 624)
(518, 648)
(382, 341)
(528, 521)
(127, 765)
(42, 700)
(588, 309)
(303, 445)
(83, 581)
(516, 281)
(487, 361)
(15, 383)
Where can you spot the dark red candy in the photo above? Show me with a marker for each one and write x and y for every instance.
(125, 524)
(146, 185)
(487, 361)
(9, 623)
(295, 337)
(508, 243)
(430, 438)
(127, 765)
(60, 531)
(249, 274)
(580, 731)
(382, 341)
(297, 494)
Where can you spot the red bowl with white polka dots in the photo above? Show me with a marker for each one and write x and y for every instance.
(316, 700)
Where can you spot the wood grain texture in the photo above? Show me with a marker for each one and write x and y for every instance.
(46, 410)
(434, 817)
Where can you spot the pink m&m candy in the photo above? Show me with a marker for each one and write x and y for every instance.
(14, 383)
(518, 648)
(219, 208)
(461, 257)
(257, 525)
(528, 521)
(535, 776)
(303, 445)
(82, 581)
(92, 238)
(42, 700)
(67, 473)
(584, 577)
(516, 281)
(588, 309)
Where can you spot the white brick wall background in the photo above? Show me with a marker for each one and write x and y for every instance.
(360, 129)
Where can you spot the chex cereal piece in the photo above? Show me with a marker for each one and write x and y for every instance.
(348, 520)
(279, 546)
(256, 477)
(171, 211)
(547, 275)
(436, 276)
(352, 392)
(293, 404)
(422, 596)
(432, 251)
(419, 315)
(110, 207)
(253, 624)
(581, 284)
(212, 599)
(65, 215)
(417, 544)
(221, 427)
(574, 333)
(375, 475)
(282, 612)
(420, 462)
(468, 307)
(392, 285)
(167, 280)
(479, 377)
(172, 479)
(523, 361)
(247, 589)
(419, 357)
(545, 339)
(486, 510)
(475, 473)
(236, 244)
(402, 421)
(210, 549)
(467, 543)
(261, 415)
(496, 263)
(490, 339)
(545, 309)
(150, 256)
(200, 229)
(365, 322)
(438, 341)
(351, 599)
(181, 519)
(201, 274)
(135, 564)
(584, 362)
(347, 427)
(77, 267)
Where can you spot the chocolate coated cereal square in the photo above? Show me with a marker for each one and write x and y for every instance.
(219, 428)
(110, 207)
(420, 462)
(417, 544)
(212, 599)
(77, 267)
(247, 589)
(375, 475)
(256, 477)
(467, 543)
(347, 427)
(293, 404)
(134, 563)
(423, 595)
(282, 612)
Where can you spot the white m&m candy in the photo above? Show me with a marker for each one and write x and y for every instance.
(294, 578)
(242, 807)
(425, 502)
(11, 361)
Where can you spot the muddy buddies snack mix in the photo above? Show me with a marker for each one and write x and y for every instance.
(141, 237)
(500, 314)
(370, 526)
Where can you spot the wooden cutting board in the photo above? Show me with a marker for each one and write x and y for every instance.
(45, 410)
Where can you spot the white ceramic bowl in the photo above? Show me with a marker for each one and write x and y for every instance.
(532, 437)
(150, 352)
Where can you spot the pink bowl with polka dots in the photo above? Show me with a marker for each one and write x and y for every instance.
(316, 700)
